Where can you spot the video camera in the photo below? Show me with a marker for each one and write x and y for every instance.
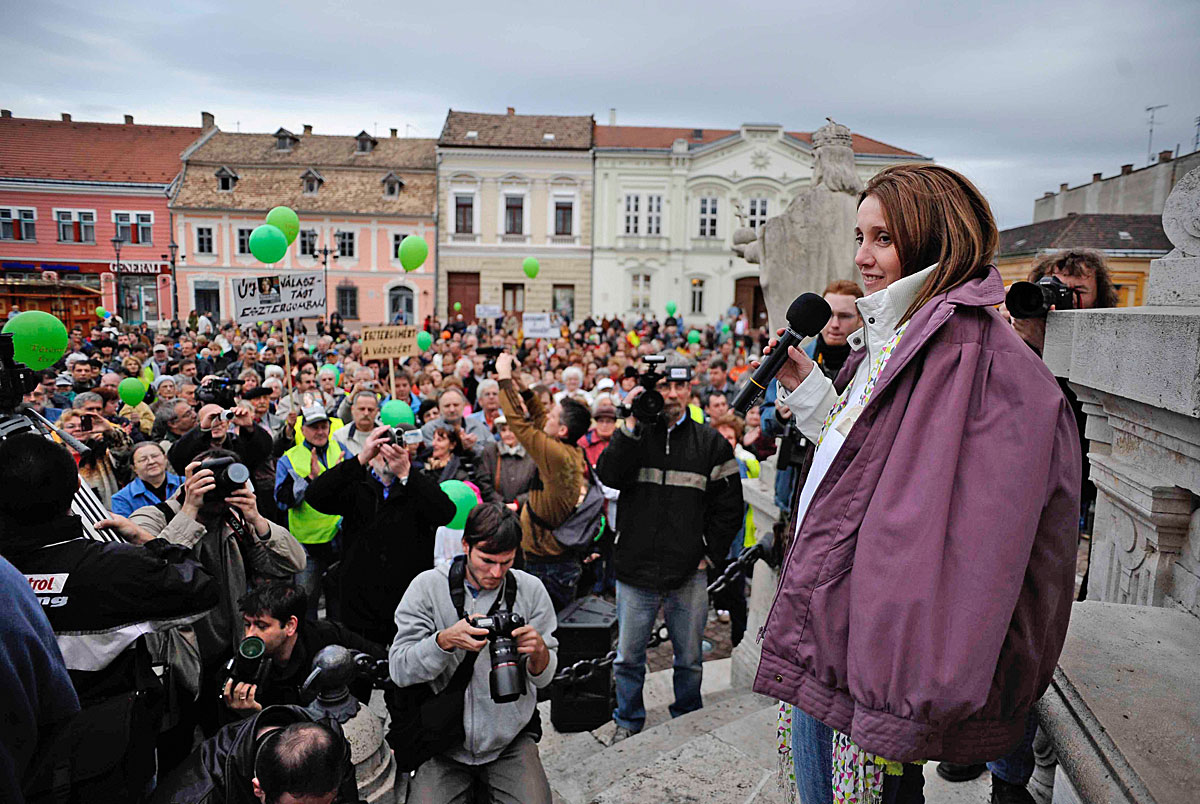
(1034, 299)
(491, 353)
(507, 678)
(403, 438)
(16, 379)
(647, 405)
(218, 391)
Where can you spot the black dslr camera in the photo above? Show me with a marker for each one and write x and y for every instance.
(647, 405)
(249, 664)
(507, 679)
(230, 475)
(491, 353)
(1034, 299)
(218, 391)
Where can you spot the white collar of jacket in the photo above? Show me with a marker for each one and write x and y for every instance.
(881, 311)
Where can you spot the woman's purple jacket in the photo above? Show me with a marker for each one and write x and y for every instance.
(925, 601)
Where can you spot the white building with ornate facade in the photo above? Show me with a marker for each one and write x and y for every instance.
(666, 205)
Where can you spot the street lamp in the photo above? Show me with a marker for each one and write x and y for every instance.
(116, 244)
(325, 252)
(173, 249)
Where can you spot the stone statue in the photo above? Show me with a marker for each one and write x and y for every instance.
(812, 242)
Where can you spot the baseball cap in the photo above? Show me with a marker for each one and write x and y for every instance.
(160, 347)
(604, 385)
(313, 414)
(604, 409)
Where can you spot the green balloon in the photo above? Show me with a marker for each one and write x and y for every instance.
(531, 267)
(412, 252)
(132, 391)
(395, 411)
(457, 306)
(39, 339)
(333, 368)
(100, 311)
(725, 327)
(268, 243)
(287, 221)
(424, 341)
(694, 336)
(464, 500)
(671, 308)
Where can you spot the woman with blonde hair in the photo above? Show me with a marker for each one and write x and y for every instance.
(924, 602)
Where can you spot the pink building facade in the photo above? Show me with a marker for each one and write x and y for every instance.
(356, 197)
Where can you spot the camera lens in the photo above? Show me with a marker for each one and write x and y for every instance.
(238, 474)
(507, 679)
(251, 648)
(1028, 300)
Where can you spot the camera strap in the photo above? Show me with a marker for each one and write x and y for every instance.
(457, 577)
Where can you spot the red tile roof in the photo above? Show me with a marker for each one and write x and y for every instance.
(78, 151)
(662, 138)
(1099, 231)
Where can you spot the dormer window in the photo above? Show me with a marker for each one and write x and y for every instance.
(547, 137)
(226, 179)
(392, 185)
(312, 181)
(472, 134)
(284, 140)
(1125, 235)
(366, 143)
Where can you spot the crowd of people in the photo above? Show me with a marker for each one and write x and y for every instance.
(259, 494)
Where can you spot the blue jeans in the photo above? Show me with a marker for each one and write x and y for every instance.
(561, 579)
(812, 758)
(1017, 766)
(686, 610)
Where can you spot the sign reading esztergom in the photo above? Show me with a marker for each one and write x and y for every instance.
(380, 343)
(267, 298)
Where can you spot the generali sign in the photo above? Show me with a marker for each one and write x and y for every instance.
(137, 267)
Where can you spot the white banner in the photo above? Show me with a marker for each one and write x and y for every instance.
(488, 311)
(267, 298)
(538, 325)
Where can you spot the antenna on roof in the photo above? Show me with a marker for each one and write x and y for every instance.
(238, 125)
(1196, 139)
(1150, 142)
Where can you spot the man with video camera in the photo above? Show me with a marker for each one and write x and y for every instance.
(215, 515)
(276, 653)
(101, 599)
(680, 507)
(281, 755)
(444, 621)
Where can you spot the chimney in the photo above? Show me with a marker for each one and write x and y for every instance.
(1062, 188)
(129, 120)
(207, 121)
(1165, 156)
(394, 132)
(511, 111)
(1126, 170)
(307, 129)
(5, 112)
(1096, 176)
(612, 116)
(1048, 194)
(66, 118)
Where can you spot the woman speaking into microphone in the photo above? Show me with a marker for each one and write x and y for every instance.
(924, 601)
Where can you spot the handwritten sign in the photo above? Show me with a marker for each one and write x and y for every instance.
(380, 343)
(267, 298)
(538, 325)
(483, 311)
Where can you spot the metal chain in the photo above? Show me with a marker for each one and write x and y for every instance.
(584, 669)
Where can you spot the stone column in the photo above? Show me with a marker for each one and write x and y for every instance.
(759, 494)
(1137, 372)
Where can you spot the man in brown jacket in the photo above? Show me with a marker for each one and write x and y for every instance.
(550, 440)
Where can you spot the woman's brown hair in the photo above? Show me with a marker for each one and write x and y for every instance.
(936, 216)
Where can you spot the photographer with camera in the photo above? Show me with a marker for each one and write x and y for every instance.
(551, 439)
(466, 720)
(251, 444)
(281, 755)
(101, 599)
(216, 516)
(390, 513)
(276, 653)
(680, 508)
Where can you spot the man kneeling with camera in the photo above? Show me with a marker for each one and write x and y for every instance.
(458, 720)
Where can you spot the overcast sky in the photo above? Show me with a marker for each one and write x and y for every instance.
(1020, 97)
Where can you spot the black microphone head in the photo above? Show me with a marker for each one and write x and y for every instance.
(808, 314)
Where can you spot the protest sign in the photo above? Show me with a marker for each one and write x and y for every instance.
(538, 325)
(284, 295)
(381, 343)
(488, 311)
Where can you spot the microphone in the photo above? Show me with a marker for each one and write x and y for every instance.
(806, 316)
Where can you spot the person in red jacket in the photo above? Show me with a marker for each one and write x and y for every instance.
(925, 600)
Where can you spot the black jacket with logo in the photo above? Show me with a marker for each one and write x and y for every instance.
(681, 501)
